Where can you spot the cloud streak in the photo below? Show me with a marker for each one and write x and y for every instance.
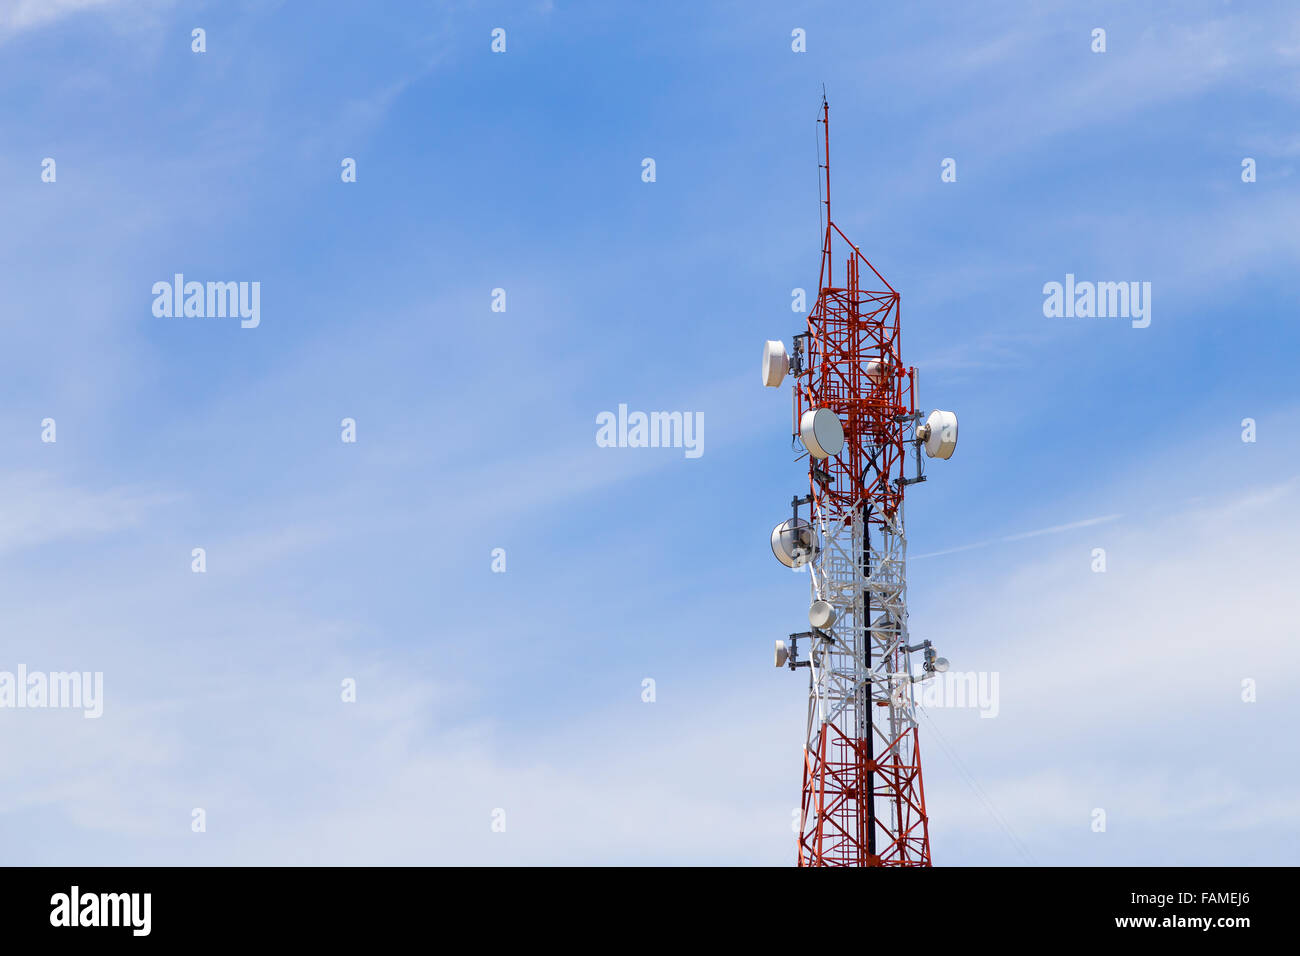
(1021, 536)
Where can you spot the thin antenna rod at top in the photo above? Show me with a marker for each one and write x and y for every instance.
(826, 125)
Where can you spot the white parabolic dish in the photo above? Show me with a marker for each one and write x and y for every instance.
(775, 363)
(942, 440)
(789, 537)
(821, 615)
(822, 433)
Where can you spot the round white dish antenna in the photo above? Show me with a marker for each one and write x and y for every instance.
(821, 615)
(775, 363)
(782, 655)
(822, 433)
(794, 542)
(939, 434)
(878, 371)
(941, 665)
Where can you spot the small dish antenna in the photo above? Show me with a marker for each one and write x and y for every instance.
(941, 665)
(776, 363)
(794, 542)
(822, 433)
(939, 434)
(821, 615)
(878, 371)
(782, 655)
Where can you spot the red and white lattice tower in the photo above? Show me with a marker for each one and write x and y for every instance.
(863, 798)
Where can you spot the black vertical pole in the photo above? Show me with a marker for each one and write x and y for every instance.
(870, 705)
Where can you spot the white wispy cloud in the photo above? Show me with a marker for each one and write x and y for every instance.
(1020, 536)
(36, 509)
(21, 16)
(1100, 674)
(18, 15)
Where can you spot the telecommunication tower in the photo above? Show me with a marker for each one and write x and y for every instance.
(854, 410)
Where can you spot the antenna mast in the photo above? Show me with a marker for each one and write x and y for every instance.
(863, 801)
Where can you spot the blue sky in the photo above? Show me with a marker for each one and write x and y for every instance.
(476, 429)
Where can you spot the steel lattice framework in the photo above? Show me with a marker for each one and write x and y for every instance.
(863, 800)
